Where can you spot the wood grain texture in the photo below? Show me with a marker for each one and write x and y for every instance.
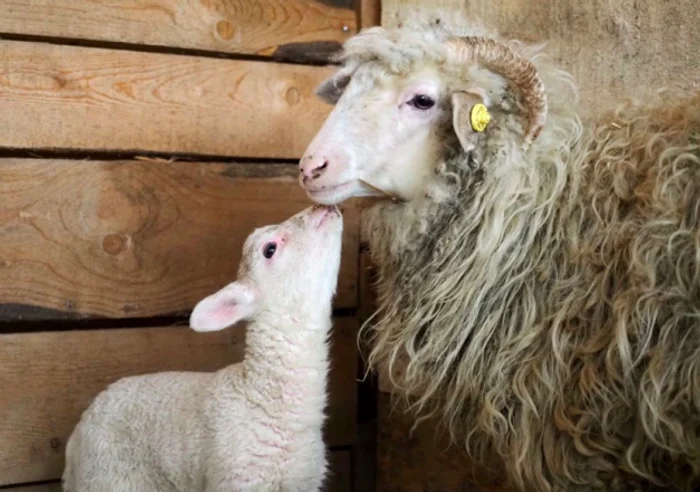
(48, 379)
(258, 27)
(370, 13)
(138, 238)
(67, 97)
(614, 48)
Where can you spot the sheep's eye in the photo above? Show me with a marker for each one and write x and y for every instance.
(422, 102)
(269, 250)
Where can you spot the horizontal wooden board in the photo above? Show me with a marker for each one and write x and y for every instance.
(138, 238)
(67, 97)
(48, 379)
(259, 27)
(370, 13)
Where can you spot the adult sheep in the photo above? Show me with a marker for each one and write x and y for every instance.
(541, 280)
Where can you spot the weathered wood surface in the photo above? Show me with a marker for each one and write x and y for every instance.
(614, 48)
(370, 13)
(423, 459)
(260, 27)
(137, 238)
(48, 379)
(67, 97)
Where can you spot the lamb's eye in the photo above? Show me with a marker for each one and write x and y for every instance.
(269, 250)
(422, 102)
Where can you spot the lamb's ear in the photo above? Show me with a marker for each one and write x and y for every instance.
(333, 87)
(470, 116)
(235, 302)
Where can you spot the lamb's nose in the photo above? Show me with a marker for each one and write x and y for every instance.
(312, 167)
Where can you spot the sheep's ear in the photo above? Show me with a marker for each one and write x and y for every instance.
(235, 302)
(333, 87)
(470, 117)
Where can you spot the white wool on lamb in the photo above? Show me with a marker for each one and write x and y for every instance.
(255, 426)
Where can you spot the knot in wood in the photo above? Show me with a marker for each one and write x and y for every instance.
(113, 244)
(225, 30)
(292, 96)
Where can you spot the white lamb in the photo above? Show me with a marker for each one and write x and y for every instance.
(252, 426)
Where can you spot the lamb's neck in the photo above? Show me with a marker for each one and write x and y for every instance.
(290, 354)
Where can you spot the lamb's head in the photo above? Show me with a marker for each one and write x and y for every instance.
(290, 267)
(403, 98)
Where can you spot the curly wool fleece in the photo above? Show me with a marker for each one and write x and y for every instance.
(546, 305)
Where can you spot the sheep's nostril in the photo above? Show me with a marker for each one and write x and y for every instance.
(312, 168)
(316, 173)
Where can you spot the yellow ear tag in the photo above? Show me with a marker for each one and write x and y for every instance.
(479, 117)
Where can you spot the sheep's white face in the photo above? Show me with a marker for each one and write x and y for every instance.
(291, 266)
(383, 131)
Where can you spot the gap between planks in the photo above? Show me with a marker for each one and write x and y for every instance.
(300, 30)
(139, 155)
(71, 324)
(286, 56)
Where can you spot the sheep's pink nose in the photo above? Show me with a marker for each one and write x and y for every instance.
(312, 167)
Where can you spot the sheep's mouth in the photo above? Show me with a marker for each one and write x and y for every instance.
(394, 198)
(330, 195)
(327, 189)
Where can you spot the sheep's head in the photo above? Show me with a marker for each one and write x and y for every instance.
(402, 100)
(292, 267)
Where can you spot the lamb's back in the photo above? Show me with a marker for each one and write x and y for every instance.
(154, 422)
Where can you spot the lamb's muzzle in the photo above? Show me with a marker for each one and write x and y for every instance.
(320, 213)
(502, 60)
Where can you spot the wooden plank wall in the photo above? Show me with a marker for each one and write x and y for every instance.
(142, 142)
(283, 29)
(615, 49)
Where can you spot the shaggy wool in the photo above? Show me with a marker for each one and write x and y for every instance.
(546, 304)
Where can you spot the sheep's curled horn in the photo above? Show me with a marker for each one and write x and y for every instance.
(501, 59)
